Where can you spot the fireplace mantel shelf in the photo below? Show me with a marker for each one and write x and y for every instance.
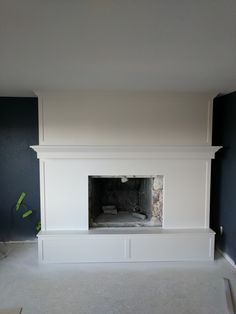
(124, 152)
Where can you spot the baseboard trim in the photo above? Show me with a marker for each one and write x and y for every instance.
(20, 241)
(227, 257)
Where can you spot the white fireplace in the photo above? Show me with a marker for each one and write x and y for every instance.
(162, 138)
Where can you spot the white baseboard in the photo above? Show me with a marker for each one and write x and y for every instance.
(227, 257)
(20, 241)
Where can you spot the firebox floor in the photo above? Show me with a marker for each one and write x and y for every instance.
(123, 219)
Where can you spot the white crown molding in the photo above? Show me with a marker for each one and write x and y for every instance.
(124, 152)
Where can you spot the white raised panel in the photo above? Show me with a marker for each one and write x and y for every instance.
(185, 195)
(126, 246)
(84, 249)
(66, 191)
(125, 118)
(165, 248)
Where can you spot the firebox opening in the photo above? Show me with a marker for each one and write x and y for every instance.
(125, 201)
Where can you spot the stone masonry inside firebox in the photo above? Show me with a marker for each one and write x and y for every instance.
(125, 201)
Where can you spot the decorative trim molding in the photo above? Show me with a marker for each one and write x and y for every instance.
(41, 119)
(207, 193)
(209, 122)
(42, 194)
(227, 257)
(124, 152)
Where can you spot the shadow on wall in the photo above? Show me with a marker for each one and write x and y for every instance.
(19, 166)
(223, 196)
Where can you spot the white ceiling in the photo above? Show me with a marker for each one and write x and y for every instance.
(184, 45)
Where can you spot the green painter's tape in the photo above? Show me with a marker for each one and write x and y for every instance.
(20, 200)
(28, 213)
(38, 226)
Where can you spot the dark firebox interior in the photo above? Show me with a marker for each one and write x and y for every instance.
(132, 196)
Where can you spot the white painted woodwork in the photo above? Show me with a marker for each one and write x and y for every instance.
(127, 152)
(125, 118)
(64, 188)
(126, 246)
(133, 134)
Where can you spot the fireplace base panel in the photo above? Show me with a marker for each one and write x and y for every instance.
(126, 245)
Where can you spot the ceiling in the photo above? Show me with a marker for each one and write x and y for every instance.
(167, 45)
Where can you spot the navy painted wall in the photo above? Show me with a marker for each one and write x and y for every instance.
(19, 167)
(223, 193)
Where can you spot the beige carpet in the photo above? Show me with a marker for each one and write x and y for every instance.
(112, 288)
(11, 311)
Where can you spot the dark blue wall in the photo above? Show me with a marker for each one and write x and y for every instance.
(223, 193)
(19, 167)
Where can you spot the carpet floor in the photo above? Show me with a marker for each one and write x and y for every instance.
(112, 288)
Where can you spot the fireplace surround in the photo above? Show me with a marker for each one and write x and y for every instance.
(175, 211)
